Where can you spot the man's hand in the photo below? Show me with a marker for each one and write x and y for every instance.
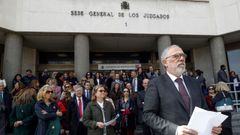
(216, 130)
(58, 113)
(17, 123)
(184, 130)
(100, 124)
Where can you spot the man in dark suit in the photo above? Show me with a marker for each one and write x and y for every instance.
(76, 108)
(135, 81)
(140, 104)
(87, 93)
(222, 75)
(171, 98)
(5, 107)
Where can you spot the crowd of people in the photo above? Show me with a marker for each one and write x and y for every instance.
(61, 103)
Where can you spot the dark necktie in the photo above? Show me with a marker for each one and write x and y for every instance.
(87, 95)
(80, 107)
(183, 93)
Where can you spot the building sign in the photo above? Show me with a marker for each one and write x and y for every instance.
(123, 14)
(155, 16)
(118, 66)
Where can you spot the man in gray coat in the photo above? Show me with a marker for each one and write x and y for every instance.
(222, 75)
(171, 98)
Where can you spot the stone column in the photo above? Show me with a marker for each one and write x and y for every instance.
(81, 55)
(218, 54)
(12, 57)
(162, 43)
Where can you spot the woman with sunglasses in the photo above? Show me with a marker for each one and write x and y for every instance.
(210, 96)
(97, 112)
(126, 109)
(47, 112)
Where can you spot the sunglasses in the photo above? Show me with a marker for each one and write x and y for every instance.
(101, 91)
(48, 92)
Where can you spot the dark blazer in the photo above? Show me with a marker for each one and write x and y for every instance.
(93, 114)
(222, 76)
(5, 110)
(164, 107)
(73, 115)
(139, 84)
(7, 99)
(44, 119)
(90, 94)
(140, 104)
(101, 81)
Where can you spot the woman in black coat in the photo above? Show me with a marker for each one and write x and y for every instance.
(223, 91)
(126, 109)
(47, 112)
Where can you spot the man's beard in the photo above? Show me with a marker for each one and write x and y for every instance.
(180, 70)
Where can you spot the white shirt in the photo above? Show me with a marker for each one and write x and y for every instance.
(135, 84)
(100, 104)
(86, 93)
(173, 78)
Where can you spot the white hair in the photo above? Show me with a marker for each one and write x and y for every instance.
(3, 82)
(165, 51)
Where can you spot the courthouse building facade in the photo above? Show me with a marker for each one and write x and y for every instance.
(83, 35)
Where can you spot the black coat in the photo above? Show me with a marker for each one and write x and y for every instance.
(73, 115)
(7, 98)
(164, 107)
(140, 104)
(127, 121)
(219, 96)
(6, 108)
(44, 119)
(139, 84)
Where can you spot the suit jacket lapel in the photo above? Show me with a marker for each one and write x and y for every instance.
(174, 90)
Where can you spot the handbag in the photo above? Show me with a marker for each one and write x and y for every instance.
(54, 127)
(224, 104)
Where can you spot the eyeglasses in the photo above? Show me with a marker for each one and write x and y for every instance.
(210, 88)
(177, 56)
(49, 91)
(125, 91)
(101, 91)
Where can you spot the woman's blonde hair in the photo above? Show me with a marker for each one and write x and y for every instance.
(221, 86)
(94, 91)
(42, 92)
(25, 96)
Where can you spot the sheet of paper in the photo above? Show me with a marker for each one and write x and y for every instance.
(203, 121)
(111, 121)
